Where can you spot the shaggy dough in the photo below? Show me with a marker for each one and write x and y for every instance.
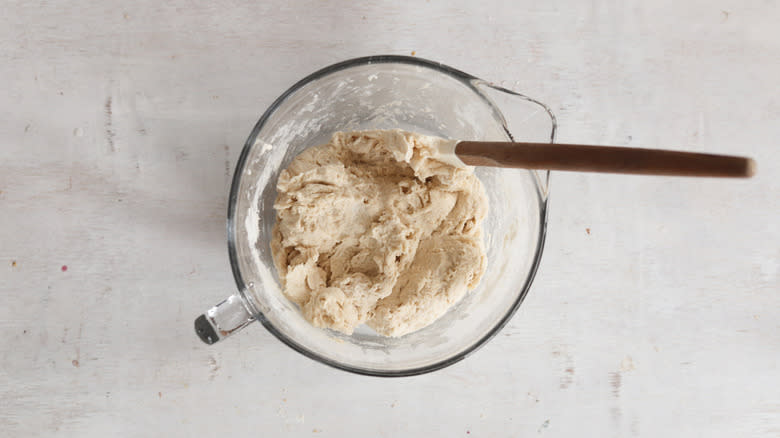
(377, 227)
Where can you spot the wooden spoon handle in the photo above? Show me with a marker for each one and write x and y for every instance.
(606, 159)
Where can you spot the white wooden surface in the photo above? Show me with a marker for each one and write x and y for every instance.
(656, 310)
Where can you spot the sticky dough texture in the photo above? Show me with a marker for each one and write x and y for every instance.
(373, 228)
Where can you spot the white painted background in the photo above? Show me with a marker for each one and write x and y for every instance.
(120, 125)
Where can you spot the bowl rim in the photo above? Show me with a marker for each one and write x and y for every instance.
(470, 81)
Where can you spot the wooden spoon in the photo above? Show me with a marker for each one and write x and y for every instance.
(605, 159)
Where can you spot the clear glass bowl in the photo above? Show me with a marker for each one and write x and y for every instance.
(387, 92)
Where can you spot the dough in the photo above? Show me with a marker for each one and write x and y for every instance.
(378, 227)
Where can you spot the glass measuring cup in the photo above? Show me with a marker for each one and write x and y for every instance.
(387, 92)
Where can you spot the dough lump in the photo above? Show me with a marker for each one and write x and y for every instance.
(377, 227)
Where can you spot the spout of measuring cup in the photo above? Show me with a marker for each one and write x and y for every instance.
(524, 118)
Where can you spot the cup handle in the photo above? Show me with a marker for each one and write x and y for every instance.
(222, 320)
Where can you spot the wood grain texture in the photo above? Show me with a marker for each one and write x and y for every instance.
(602, 159)
(655, 311)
